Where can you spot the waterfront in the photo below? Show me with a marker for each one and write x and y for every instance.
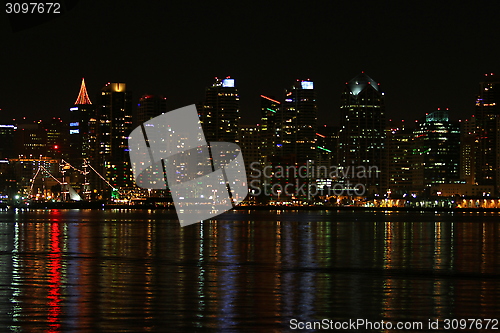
(137, 271)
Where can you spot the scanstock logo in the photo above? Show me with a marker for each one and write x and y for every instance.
(170, 152)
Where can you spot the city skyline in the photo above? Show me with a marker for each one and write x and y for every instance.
(251, 117)
(428, 158)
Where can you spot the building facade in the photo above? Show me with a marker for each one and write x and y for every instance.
(436, 151)
(298, 122)
(114, 125)
(487, 116)
(220, 112)
(149, 106)
(362, 133)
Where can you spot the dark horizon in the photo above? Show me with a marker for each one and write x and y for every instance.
(427, 56)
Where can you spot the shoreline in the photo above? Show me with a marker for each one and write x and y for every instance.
(101, 205)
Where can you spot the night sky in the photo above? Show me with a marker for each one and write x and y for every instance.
(425, 54)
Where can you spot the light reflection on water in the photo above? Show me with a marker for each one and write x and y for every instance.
(135, 271)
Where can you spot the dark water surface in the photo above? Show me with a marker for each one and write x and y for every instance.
(138, 271)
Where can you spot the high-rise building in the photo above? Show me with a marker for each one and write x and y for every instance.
(150, 106)
(30, 139)
(83, 127)
(298, 120)
(57, 138)
(468, 150)
(399, 150)
(327, 143)
(248, 139)
(270, 131)
(219, 112)
(8, 184)
(114, 125)
(437, 150)
(362, 133)
(7, 141)
(487, 121)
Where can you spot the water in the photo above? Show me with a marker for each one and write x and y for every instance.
(138, 271)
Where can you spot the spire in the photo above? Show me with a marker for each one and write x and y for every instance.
(83, 97)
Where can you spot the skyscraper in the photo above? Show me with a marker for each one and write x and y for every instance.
(468, 151)
(488, 121)
(270, 130)
(250, 143)
(150, 106)
(399, 168)
(437, 150)
(7, 141)
(83, 129)
(298, 120)
(220, 111)
(362, 132)
(114, 126)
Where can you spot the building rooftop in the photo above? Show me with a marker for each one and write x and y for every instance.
(359, 82)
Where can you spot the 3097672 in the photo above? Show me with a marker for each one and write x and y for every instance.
(33, 8)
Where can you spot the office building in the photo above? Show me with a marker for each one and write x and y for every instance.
(114, 125)
(83, 141)
(7, 141)
(219, 112)
(437, 151)
(362, 133)
(150, 106)
(298, 121)
(399, 151)
(270, 129)
(468, 150)
(487, 121)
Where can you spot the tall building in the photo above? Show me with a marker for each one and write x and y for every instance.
(437, 150)
(150, 106)
(468, 150)
(114, 125)
(30, 139)
(57, 138)
(270, 131)
(290, 141)
(298, 121)
(248, 139)
(487, 120)
(8, 184)
(83, 127)
(327, 143)
(7, 141)
(399, 150)
(219, 112)
(362, 133)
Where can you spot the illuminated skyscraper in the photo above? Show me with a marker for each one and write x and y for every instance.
(114, 126)
(220, 111)
(249, 140)
(468, 150)
(362, 132)
(298, 122)
(488, 124)
(83, 142)
(270, 129)
(437, 150)
(82, 129)
(399, 168)
(150, 106)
